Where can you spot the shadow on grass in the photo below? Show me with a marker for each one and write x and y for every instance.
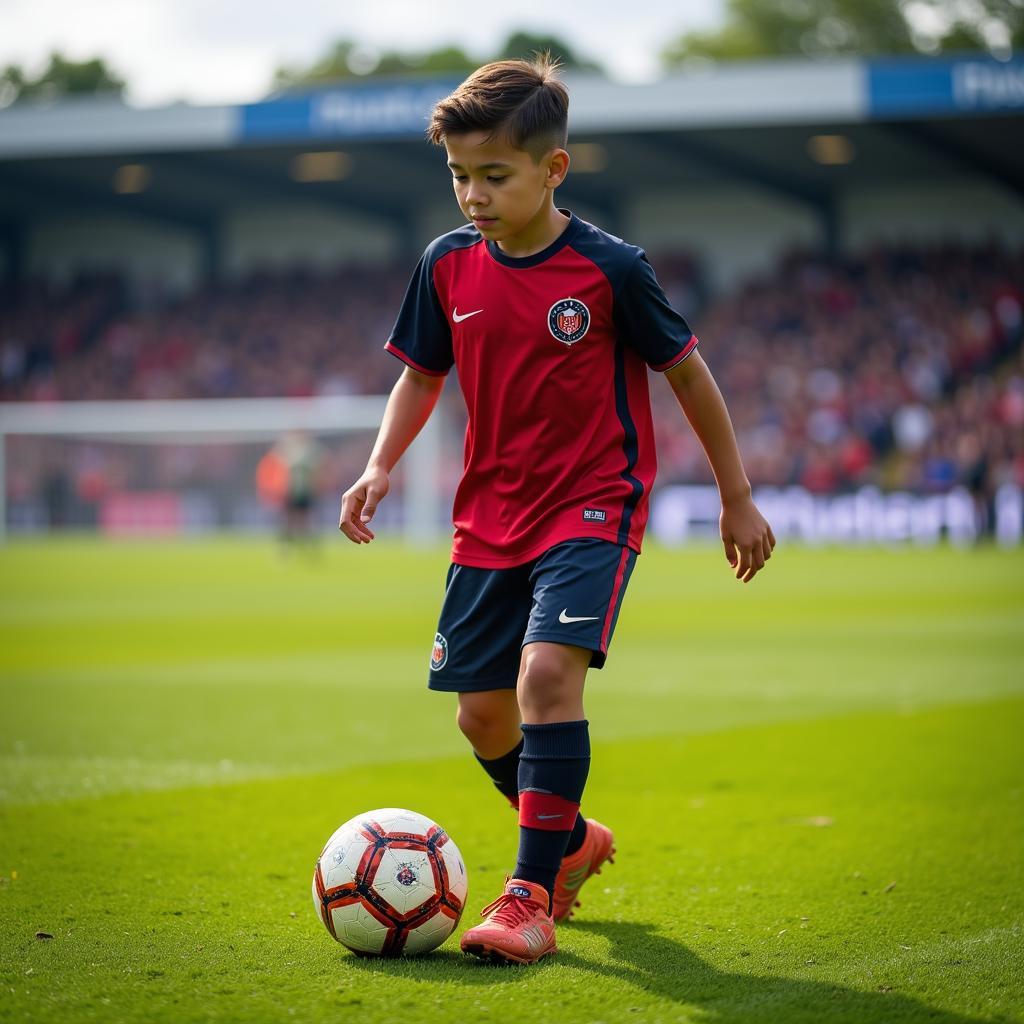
(663, 967)
(666, 969)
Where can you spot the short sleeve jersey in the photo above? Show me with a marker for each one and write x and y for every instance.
(552, 352)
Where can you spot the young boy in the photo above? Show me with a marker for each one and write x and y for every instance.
(551, 324)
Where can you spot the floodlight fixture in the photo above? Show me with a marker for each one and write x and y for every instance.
(329, 165)
(830, 150)
(130, 179)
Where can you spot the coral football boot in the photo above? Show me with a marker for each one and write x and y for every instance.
(598, 847)
(518, 929)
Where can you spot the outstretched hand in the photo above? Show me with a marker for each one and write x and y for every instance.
(359, 503)
(747, 537)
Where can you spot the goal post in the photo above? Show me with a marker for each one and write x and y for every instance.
(243, 421)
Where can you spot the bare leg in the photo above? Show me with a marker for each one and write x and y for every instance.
(551, 678)
(490, 720)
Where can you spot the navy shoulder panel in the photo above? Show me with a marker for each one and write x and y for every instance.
(644, 317)
(614, 256)
(422, 336)
(459, 238)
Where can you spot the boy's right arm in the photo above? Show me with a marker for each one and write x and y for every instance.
(412, 401)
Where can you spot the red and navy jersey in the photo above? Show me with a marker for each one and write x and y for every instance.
(552, 353)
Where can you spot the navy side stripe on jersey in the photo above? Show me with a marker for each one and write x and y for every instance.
(630, 447)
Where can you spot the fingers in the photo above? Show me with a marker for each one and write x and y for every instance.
(743, 570)
(757, 556)
(746, 556)
(767, 543)
(730, 551)
(751, 559)
(370, 505)
(350, 522)
(760, 552)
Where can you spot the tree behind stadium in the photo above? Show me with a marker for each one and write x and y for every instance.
(821, 28)
(347, 58)
(61, 78)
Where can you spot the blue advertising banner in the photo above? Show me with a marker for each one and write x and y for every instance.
(379, 111)
(944, 86)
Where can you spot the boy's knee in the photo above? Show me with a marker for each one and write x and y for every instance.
(543, 667)
(470, 721)
(551, 676)
(484, 720)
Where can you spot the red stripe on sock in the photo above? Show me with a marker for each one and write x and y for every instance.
(547, 812)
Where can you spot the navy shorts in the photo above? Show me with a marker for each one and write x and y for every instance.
(571, 594)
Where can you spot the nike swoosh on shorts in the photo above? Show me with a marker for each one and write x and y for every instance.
(566, 619)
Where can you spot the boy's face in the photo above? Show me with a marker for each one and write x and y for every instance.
(502, 190)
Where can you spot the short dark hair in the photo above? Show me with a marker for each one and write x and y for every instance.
(523, 101)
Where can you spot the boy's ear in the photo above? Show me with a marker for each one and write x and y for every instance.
(558, 167)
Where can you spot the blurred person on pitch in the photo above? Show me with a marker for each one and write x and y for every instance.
(552, 324)
(289, 478)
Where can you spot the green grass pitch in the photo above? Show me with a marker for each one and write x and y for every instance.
(815, 783)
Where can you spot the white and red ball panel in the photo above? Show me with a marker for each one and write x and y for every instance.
(359, 928)
(458, 883)
(390, 881)
(342, 856)
(404, 878)
(318, 903)
(396, 819)
(432, 932)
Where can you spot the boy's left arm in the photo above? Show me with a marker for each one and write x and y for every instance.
(747, 537)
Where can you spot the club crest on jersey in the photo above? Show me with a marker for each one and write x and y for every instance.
(568, 320)
(439, 655)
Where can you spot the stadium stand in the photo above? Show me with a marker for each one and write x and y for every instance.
(901, 368)
(845, 237)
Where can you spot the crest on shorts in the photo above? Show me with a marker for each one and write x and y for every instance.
(568, 320)
(439, 655)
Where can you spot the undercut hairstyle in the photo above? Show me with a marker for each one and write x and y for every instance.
(521, 101)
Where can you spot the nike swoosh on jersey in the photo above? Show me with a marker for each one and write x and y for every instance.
(575, 618)
(459, 317)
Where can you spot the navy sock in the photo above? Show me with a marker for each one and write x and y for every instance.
(504, 773)
(578, 834)
(553, 769)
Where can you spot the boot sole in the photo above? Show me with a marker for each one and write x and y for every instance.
(494, 955)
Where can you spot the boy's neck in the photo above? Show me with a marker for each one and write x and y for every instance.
(549, 223)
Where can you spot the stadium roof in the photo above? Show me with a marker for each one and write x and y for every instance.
(898, 120)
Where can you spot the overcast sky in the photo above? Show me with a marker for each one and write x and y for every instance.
(211, 51)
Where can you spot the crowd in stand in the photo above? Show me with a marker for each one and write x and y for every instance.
(902, 367)
(269, 335)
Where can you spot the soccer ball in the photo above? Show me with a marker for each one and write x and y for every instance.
(390, 882)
